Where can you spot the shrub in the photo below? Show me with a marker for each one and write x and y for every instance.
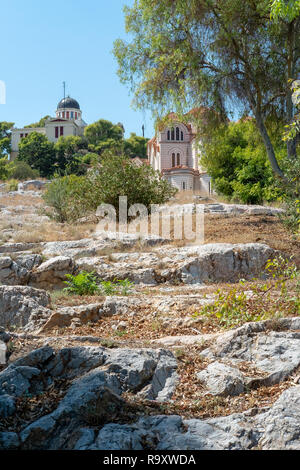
(12, 185)
(83, 283)
(290, 194)
(68, 197)
(118, 176)
(21, 171)
(277, 297)
(71, 197)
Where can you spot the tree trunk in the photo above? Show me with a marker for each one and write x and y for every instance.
(268, 144)
(291, 144)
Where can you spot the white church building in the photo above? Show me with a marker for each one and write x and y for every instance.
(68, 121)
(174, 152)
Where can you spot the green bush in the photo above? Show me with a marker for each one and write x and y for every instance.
(72, 197)
(21, 171)
(235, 157)
(69, 198)
(12, 185)
(83, 283)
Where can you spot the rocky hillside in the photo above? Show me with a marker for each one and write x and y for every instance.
(186, 347)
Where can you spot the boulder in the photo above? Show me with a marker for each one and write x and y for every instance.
(23, 307)
(221, 379)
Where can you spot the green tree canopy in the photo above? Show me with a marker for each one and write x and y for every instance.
(5, 137)
(135, 146)
(222, 54)
(102, 131)
(38, 152)
(235, 157)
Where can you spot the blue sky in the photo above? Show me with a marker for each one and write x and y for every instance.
(46, 43)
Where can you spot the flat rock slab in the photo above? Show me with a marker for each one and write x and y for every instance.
(276, 353)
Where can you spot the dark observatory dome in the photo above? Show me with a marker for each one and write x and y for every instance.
(68, 103)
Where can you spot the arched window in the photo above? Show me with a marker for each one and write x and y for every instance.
(168, 135)
(173, 159)
(178, 158)
(177, 133)
(172, 134)
(181, 135)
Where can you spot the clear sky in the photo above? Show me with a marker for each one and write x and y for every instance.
(46, 43)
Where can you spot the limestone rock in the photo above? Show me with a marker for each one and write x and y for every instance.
(276, 353)
(221, 379)
(22, 306)
(53, 272)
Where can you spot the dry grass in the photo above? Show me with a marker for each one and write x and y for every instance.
(20, 200)
(52, 231)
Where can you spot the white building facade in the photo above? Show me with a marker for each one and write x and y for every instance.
(68, 121)
(174, 152)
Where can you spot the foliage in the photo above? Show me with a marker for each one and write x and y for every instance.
(38, 153)
(279, 296)
(117, 176)
(83, 283)
(104, 135)
(290, 195)
(285, 9)
(12, 184)
(235, 157)
(70, 152)
(5, 137)
(21, 171)
(68, 197)
(135, 146)
(3, 168)
(223, 55)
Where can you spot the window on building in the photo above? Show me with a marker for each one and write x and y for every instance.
(56, 132)
(173, 159)
(75, 115)
(63, 114)
(172, 134)
(178, 158)
(183, 185)
(61, 130)
(21, 136)
(72, 114)
(26, 135)
(177, 133)
(168, 137)
(181, 135)
(68, 115)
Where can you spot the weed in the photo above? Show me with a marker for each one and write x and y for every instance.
(83, 283)
(278, 296)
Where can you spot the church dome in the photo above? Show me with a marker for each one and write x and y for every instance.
(68, 103)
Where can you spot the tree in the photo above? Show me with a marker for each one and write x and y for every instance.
(118, 176)
(286, 9)
(71, 197)
(104, 135)
(235, 157)
(38, 152)
(5, 137)
(135, 146)
(224, 55)
(68, 150)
